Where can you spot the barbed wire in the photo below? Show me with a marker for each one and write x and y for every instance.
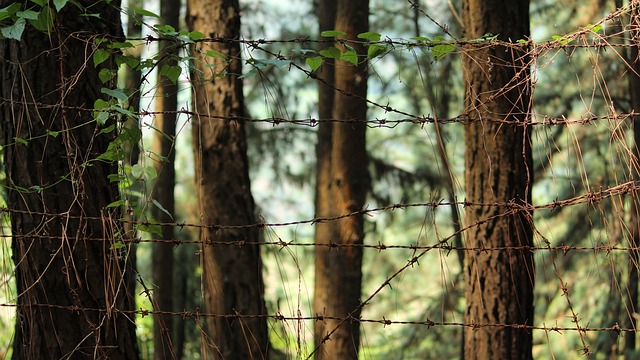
(197, 314)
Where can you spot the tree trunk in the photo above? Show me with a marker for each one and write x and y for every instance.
(498, 170)
(343, 182)
(166, 102)
(326, 15)
(232, 273)
(71, 280)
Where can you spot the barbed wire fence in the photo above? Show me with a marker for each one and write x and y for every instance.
(601, 201)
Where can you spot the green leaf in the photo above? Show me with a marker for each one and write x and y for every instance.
(350, 56)
(148, 172)
(21, 141)
(100, 115)
(108, 129)
(115, 178)
(370, 36)
(595, 28)
(59, 4)
(131, 61)
(441, 50)
(331, 52)
(116, 93)
(9, 11)
(14, 31)
(124, 111)
(171, 72)
(120, 45)
(53, 133)
(376, 50)
(314, 62)
(166, 29)
(421, 38)
(157, 204)
(45, 20)
(27, 14)
(143, 12)
(105, 75)
(118, 203)
(151, 228)
(278, 62)
(100, 56)
(40, 2)
(257, 63)
(196, 35)
(332, 33)
(215, 54)
(117, 245)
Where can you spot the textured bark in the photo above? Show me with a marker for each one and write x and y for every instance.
(166, 102)
(71, 282)
(343, 181)
(498, 164)
(326, 15)
(232, 273)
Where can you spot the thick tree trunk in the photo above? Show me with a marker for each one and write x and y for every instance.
(166, 102)
(498, 170)
(71, 280)
(342, 188)
(232, 273)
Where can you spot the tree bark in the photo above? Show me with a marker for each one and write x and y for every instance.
(71, 280)
(343, 182)
(166, 102)
(498, 170)
(232, 273)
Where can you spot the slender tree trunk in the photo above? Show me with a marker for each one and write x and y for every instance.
(498, 170)
(342, 188)
(232, 273)
(166, 102)
(634, 209)
(71, 280)
(326, 15)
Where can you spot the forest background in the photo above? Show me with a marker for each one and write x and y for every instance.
(582, 145)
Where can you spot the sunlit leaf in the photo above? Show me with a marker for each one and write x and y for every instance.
(314, 62)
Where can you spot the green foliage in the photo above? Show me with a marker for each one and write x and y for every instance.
(171, 72)
(143, 12)
(100, 56)
(332, 33)
(314, 62)
(441, 50)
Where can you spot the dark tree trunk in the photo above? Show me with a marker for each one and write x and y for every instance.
(498, 170)
(343, 182)
(71, 280)
(163, 192)
(232, 273)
